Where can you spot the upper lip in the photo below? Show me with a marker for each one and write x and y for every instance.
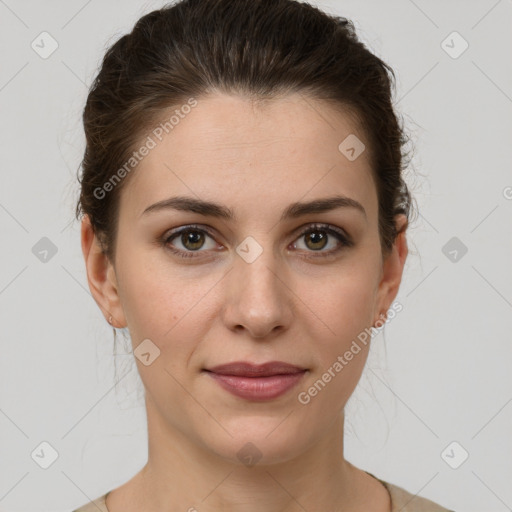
(247, 369)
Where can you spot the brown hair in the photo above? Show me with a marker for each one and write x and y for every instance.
(260, 48)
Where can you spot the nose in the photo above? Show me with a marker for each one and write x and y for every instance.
(258, 298)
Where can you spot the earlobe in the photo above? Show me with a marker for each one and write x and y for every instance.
(101, 276)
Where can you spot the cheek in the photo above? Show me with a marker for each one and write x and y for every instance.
(342, 341)
(156, 297)
(340, 306)
(173, 311)
(341, 327)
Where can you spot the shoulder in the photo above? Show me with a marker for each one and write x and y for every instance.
(97, 505)
(404, 501)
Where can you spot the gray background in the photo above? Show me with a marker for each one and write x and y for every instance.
(439, 373)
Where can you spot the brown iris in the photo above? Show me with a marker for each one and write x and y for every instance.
(318, 239)
(193, 237)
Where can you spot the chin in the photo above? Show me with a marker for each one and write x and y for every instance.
(258, 442)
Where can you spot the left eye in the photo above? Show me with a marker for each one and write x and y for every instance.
(316, 237)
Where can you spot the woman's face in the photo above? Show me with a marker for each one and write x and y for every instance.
(253, 287)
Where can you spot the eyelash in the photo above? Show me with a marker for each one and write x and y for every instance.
(339, 235)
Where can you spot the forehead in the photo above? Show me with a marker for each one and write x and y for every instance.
(253, 155)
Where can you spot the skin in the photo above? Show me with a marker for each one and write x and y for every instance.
(291, 304)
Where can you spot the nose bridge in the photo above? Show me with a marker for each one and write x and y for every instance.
(260, 276)
(257, 295)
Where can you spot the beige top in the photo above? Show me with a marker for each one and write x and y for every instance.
(401, 501)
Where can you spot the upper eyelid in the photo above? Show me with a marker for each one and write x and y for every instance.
(177, 231)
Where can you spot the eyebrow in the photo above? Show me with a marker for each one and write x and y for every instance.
(294, 210)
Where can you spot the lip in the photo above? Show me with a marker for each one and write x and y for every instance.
(257, 382)
(248, 369)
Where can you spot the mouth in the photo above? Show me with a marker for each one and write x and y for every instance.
(257, 382)
(247, 369)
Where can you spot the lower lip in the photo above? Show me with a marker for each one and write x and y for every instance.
(258, 388)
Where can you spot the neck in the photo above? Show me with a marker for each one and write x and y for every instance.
(184, 474)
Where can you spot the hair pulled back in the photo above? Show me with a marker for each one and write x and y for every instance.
(259, 48)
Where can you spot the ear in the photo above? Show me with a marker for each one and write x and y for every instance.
(101, 276)
(392, 269)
